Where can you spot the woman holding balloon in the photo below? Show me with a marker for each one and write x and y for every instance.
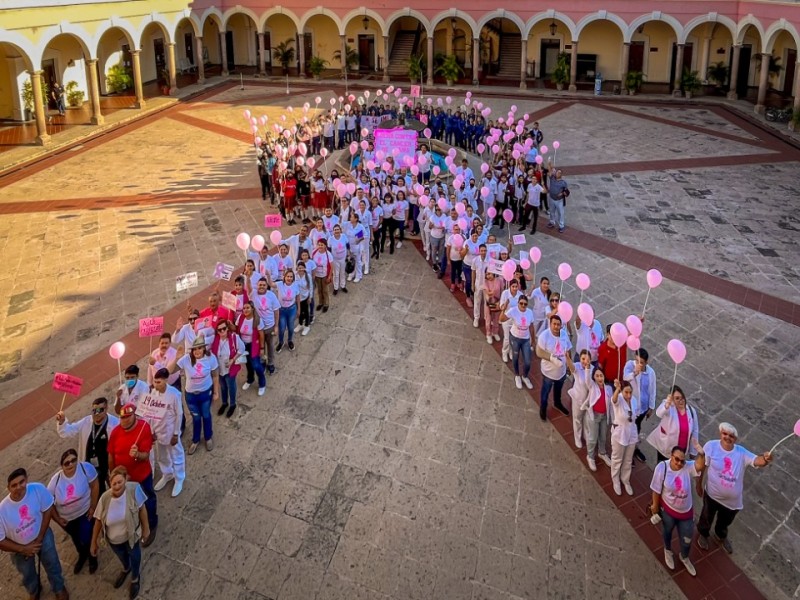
(520, 318)
(455, 252)
(678, 425)
(508, 300)
(624, 436)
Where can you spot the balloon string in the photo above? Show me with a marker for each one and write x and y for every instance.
(581, 300)
(561, 290)
(119, 370)
(791, 435)
(674, 377)
(645, 300)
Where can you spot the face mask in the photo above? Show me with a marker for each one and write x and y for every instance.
(130, 383)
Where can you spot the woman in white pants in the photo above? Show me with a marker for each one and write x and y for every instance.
(357, 241)
(623, 436)
(425, 213)
(509, 299)
(337, 244)
(365, 218)
(579, 392)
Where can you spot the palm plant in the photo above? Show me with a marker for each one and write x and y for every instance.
(284, 54)
(416, 65)
(450, 69)
(351, 56)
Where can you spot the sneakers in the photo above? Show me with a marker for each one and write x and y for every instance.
(725, 543)
(399, 245)
(209, 445)
(357, 280)
(617, 488)
(702, 542)
(261, 391)
(528, 383)
(177, 488)
(247, 385)
(518, 382)
(335, 293)
(344, 290)
(669, 559)
(496, 337)
(550, 226)
(475, 322)
(561, 229)
(605, 459)
(298, 329)
(192, 448)
(591, 463)
(291, 346)
(505, 356)
(689, 566)
(230, 412)
(121, 579)
(639, 455)
(305, 331)
(350, 277)
(628, 489)
(489, 339)
(579, 444)
(162, 483)
(278, 348)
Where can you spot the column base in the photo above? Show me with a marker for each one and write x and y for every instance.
(732, 95)
(759, 109)
(429, 83)
(225, 73)
(201, 80)
(99, 120)
(523, 85)
(302, 75)
(573, 88)
(385, 79)
(262, 73)
(173, 91)
(42, 140)
(475, 82)
(140, 104)
(792, 126)
(677, 93)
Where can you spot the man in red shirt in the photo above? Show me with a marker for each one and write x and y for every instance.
(289, 189)
(129, 445)
(215, 311)
(610, 359)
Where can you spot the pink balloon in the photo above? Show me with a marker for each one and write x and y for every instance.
(323, 152)
(565, 311)
(257, 242)
(524, 263)
(586, 313)
(442, 203)
(654, 278)
(543, 149)
(458, 241)
(619, 334)
(462, 224)
(460, 208)
(508, 215)
(351, 188)
(481, 148)
(414, 170)
(311, 162)
(564, 271)
(508, 269)
(436, 170)
(536, 254)
(634, 343)
(495, 149)
(243, 241)
(427, 132)
(556, 145)
(676, 351)
(484, 168)
(246, 114)
(582, 281)
(634, 325)
(538, 160)
(492, 212)
(423, 201)
(275, 237)
(353, 148)
(364, 144)
(797, 428)
(117, 350)
(485, 193)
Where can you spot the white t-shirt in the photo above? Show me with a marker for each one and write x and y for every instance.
(540, 304)
(198, 377)
(725, 473)
(437, 223)
(338, 248)
(21, 521)
(558, 347)
(116, 528)
(589, 338)
(287, 294)
(520, 322)
(266, 306)
(400, 209)
(455, 253)
(512, 300)
(676, 491)
(73, 494)
(534, 189)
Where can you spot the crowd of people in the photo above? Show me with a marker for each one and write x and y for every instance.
(105, 493)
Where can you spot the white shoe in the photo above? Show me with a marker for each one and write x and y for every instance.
(617, 488)
(177, 488)
(261, 391)
(689, 566)
(505, 356)
(366, 271)
(357, 280)
(489, 339)
(518, 382)
(162, 483)
(528, 383)
(578, 443)
(350, 277)
(246, 386)
(298, 328)
(669, 559)
(475, 322)
(428, 257)
(605, 459)
(496, 337)
(628, 489)
(592, 464)
(306, 330)
(399, 245)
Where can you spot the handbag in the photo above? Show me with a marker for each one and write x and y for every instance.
(350, 265)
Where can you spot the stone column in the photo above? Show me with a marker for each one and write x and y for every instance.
(173, 71)
(573, 67)
(223, 52)
(476, 60)
(198, 61)
(301, 53)
(344, 53)
(451, 33)
(137, 78)
(262, 52)
(430, 61)
(385, 58)
(734, 76)
(94, 92)
(626, 58)
(523, 67)
(796, 103)
(763, 83)
(42, 137)
(704, 52)
(676, 84)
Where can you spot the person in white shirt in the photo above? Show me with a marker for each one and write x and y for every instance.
(723, 493)
(267, 306)
(132, 390)
(472, 251)
(479, 265)
(357, 241)
(323, 272)
(508, 300)
(25, 532)
(201, 370)
(579, 393)
(541, 302)
(521, 319)
(365, 218)
(643, 379)
(160, 358)
(298, 242)
(589, 336)
(623, 436)
(554, 350)
(167, 432)
(400, 217)
(465, 172)
(533, 192)
(337, 243)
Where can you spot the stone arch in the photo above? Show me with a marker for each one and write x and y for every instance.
(192, 19)
(21, 44)
(501, 13)
(215, 15)
(550, 15)
(321, 11)
(459, 14)
(278, 10)
(726, 22)
(17, 52)
(74, 31)
(601, 15)
(744, 24)
(654, 16)
(408, 12)
(361, 12)
(122, 25)
(160, 21)
(240, 10)
(774, 30)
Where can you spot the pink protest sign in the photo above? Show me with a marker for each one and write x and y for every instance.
(229, 300)
(424, 119)
(404, 140)
(151, 326)
(519, 239)
(69, 384)
(271, 221)
(415, 91)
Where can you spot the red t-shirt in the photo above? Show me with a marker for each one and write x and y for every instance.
(220, 313)
(600, 406)
(119, 447)
(611, 361)
(290, 188)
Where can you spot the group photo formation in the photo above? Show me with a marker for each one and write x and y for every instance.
(421, 303)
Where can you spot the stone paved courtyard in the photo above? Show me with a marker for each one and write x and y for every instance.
(392, 456)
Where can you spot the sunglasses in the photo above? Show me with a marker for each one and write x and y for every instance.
(193, 318)
(221, 329)
(69, 462)
(99, 410)
(680, 461)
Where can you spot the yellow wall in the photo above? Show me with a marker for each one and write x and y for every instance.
(782, 45)
(281, 28)
(355, 28)
(325, 39)
(7, 87)
(211, 41)
(244, 39)
(605, 40)
(659, 36)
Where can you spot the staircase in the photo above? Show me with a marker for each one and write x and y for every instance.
(402, 49)
(510, 56)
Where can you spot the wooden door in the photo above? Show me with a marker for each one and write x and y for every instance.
(188, 46)
(636, 57)
(366, 53)
(788, 80)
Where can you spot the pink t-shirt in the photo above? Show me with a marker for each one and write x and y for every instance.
(683, 434)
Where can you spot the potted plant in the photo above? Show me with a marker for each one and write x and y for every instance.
(450, 70)
(351, 57)
(718, 74)
(690, 82)
(74, 95)
(164, 82)
(633, 82)
(316, 65)
(27, 96)
(416, 65)
(560, 74)
(119, 79)
(283, 53)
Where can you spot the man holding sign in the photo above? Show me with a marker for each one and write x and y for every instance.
(165, 408)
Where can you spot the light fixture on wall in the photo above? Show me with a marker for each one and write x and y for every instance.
(453, 23)
(553, 28)
(640, 29)
(71, 62)
(365, 21)
(720, 50)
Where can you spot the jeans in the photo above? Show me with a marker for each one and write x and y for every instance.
(227, 389)
(437, 250)
(711, 509)
(286, 317)
(80, 532)
(388, 230)
(596, 431)
(254, 367)
(305, 315)
(151, 504)
(520, 352)
(557, 213)
(48, 555)
(467, 280)
(551, 384)
(131, 558)
(199, 404)
(685, 531)
(456, 267)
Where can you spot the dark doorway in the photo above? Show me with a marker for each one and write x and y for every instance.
(49, 70)
(636, 57)
(791, 63)
(548, 56)
(188, 46)
(229, 50)
(161, 59)
(366, 52)
(743, 80)
(268, 49)
(309, 49)
(687, 63)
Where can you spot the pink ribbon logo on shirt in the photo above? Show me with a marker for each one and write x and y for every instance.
(678, 484)
(198, 370)
(523, 322)
(727, 466)
(557, 350)
(288, 294)
(263, 302)
(24, 516)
